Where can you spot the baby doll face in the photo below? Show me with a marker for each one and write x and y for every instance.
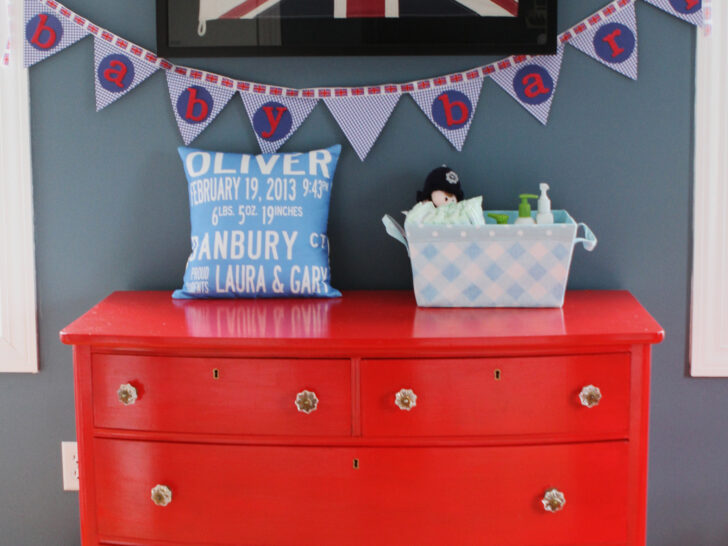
(440, 198)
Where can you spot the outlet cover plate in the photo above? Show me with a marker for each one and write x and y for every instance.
(69, 458)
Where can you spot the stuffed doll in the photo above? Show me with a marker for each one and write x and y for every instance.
(442, 187)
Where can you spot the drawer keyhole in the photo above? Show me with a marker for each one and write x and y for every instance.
(356, 464)
(216, 374)
(497, 375)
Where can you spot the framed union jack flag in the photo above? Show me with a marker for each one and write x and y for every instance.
(188, 28)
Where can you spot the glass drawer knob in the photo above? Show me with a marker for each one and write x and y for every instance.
(161, 495)
(405, 399)
(553, 500)
(306, 401)
(590, 396)
(127, 394)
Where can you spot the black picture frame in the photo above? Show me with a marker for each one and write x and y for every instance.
(533, 32)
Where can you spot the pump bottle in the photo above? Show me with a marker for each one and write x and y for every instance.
(524, 209)
(544, 216)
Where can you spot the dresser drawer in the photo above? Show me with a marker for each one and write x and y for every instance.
(496, 396)
(221, 395)
(285, 495)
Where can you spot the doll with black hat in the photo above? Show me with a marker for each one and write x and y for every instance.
(442, 187)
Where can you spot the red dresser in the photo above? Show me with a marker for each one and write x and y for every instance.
(362, 421)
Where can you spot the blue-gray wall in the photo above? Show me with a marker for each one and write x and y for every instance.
(111, 213)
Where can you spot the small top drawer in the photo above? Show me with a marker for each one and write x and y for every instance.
(222, 395)
(497, 396)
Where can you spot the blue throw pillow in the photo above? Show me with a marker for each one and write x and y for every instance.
(258, 224)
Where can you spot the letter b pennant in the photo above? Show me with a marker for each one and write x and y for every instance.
(450, 108)
(532, 82)
(47, 31)
(275, 118)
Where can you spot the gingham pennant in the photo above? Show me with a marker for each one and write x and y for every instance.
(362, 118)
(275, 118)
(194, 101)
(687, 10)
(116, 72)
(611, 40)
(450, 108)
(47, 31)
(532, 82)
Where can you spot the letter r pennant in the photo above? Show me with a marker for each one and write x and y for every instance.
(275, 118)
(46, 32)
(532, 82)
(451, 107)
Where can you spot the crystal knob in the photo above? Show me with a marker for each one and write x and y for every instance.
(405, 399)
(306, 401)
(590, 396)
(127, 394)
(553, 500)
(161, 495)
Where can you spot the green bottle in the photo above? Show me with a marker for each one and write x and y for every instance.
(524, 209)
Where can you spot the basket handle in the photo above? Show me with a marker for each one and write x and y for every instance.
(589, 240)
(395, 230)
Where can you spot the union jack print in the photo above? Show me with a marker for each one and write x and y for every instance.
(249, 9)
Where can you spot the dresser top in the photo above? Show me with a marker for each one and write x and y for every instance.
(372, 322)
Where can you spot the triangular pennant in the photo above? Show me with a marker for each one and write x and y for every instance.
(687, 10)
(362, 118)
(47, 31)
(612, 40)
(117, 72)
(195, 102)
(450, 108)
(533, 82)
(274, 118)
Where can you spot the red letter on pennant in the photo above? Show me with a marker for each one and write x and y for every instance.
(190, 112)
(690, 4)
(271, 120)
(448, 108)
(534, 86)
(610, 39)
(40, 29)
(116, 73)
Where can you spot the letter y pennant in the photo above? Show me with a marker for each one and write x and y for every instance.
(275, 118)
(688, 10)
(532, 82)
(450, 108)
(48, 30)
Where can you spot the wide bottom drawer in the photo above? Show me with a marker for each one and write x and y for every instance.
(223, 494)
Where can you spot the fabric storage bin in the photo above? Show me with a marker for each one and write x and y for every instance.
(495, 265)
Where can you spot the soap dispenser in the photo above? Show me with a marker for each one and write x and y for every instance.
(524, 209)
(544, 215)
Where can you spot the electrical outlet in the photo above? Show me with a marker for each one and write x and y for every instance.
(69, 458)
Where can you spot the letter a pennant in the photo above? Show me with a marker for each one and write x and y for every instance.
(688, 10)
(116, 72)
(194, 101)
(362, 117)
(532, 82)
(610, 39)
(450, 108)
(275, 118)
(48, 31)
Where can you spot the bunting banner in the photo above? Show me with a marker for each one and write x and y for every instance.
(117, 71)
(275, 119)
(195, 101)
(48, 31)
(611, 40)
(532, 81)
(276, 112)
(362, 117)
(687, 10)
(450, 108)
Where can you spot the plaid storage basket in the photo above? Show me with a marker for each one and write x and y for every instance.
(492, 265)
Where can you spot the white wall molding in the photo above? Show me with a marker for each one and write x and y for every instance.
(709, 309)
(18, 325)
